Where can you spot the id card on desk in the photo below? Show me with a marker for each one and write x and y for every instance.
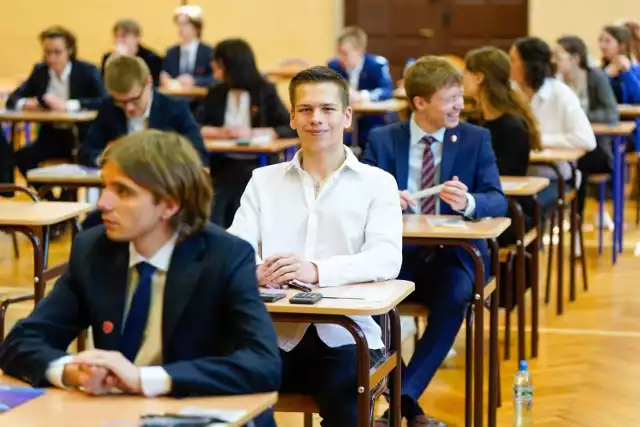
(10, 397)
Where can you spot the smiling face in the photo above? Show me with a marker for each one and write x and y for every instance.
(319, 116)
(444, 107)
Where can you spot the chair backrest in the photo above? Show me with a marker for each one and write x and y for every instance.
(6, 189)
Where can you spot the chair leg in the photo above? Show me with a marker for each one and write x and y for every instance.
(416, 336)
(552, 224)
(308, 419)
(583, 257)
(601, 189)
(16, 249)
(508, 288)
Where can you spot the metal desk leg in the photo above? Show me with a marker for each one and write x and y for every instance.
(616, 198)
(621, 145)
(535, 278)
(395, 380)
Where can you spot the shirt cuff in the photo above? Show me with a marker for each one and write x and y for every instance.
(72, 105)
(366, 95)
(20, 104)
(56, 369)
(154, 381)
(326, 277)
(471, 206)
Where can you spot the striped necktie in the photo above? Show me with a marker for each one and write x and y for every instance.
(428, 204)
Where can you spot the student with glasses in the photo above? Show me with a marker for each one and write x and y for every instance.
(134, 105)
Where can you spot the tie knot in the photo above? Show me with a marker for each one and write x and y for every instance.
(145, 270)
(428, 140)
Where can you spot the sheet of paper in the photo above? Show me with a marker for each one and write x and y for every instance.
(229, 415)
(513, 185)
(64, 169)
(224, 142)
(436, 221)
(427, 192)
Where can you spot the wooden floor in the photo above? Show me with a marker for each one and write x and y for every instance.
(587, 372)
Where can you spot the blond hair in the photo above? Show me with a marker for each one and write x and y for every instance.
(428, 75)
(128, 26)
(123, 72)
(167, 165)
(356, 35)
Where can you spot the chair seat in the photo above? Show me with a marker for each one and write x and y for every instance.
(296, 403)
(570, 195)
(413, 309)
(510, 250)
(599, 178)
(632, 158)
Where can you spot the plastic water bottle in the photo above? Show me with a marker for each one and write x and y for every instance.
(522, 397)
(409, 63)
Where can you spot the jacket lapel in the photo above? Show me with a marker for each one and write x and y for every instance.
(113, 288)
(155, 120)
(75, 82)
(186, 265)
(401, 144)
(449, 150)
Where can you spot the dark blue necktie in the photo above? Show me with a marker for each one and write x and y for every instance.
(138, 313)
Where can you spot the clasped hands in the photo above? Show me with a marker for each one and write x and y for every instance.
(99, 372)
(281, 268)
(454, 192)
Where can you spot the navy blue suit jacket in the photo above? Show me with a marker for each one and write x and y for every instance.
(375, 78)
(217, 336)
(167, 114)
(470, 158)
(85, 85)
(202, 73)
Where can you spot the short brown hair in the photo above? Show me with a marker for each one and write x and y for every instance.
(428, 75)
(58, 31)
(128, 26)
(168, 166)
(354, 34)
(123, 72)
(319, 74)
(193, 14)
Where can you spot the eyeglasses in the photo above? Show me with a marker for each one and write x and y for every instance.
(53, 52)
(122, 103)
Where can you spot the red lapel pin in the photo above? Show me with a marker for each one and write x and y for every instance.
(107, 327)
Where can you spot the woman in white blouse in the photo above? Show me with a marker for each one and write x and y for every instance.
(241, 106)
(563, 122)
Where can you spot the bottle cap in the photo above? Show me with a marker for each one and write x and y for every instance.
(523, 366)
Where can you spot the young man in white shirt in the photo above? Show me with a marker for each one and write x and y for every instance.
(326, 219)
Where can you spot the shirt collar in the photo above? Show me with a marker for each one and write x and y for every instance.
(351, 161)
(147, 112)
(358, 68)
(417, 133)
(160, 260)
(546, 89)
(192, 45)
(65, 73)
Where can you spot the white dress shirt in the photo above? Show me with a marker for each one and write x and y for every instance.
(563, 123)
(154, 379)
(352, 231)
(238, 109)
(58, 86)
(188, 53)
(354, 80)
(137, 124)
(416, 158)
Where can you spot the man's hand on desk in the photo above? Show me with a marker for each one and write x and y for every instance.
(53, 102)
(31, 104)
(239, 132)
(92, 379)
(406, 200)
(283, 268)
(121, 373)
(186, 80)
(454, 193)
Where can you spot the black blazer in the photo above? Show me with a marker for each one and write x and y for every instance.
(167, 113)
(202, 73)
(218, 338)
(153, 60)
(267, 109)
(85, 85)
(6, 163)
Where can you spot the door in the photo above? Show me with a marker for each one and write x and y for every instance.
(401, 29)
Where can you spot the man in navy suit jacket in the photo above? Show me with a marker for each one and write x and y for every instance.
(172, 300)
(368, 76)
(133, 106)
(433, 148)
(60, 83)
(188, 64)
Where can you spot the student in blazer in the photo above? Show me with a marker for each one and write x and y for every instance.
(187, 63)
(432, 148)
(241, 106)
(126, 35)
(172, 301)
(60, 83)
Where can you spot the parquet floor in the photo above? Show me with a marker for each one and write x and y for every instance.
(587, 374)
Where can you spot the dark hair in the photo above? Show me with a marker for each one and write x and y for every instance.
(128, 26)
(319, 74)
(622, 36)
(574, 45)
(59, 32)
(536, 57)
(497, 91)
(634, 42)
(239, 63)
